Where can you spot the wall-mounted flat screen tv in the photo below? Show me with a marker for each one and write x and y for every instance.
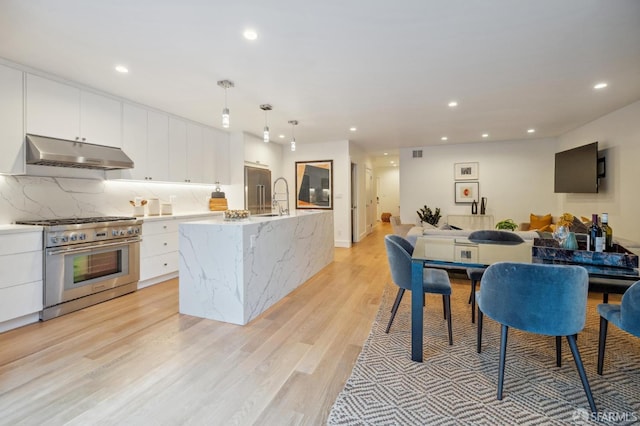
(576, 170)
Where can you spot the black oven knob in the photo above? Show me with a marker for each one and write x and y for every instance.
(129, 231)
(82, 237)
(137, 230)
(64, 239)
(115, 233)
(73, 237)
(54, 240)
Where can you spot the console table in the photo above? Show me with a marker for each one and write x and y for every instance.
(471, 221)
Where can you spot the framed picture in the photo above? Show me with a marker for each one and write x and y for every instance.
(466, 192)
(314, 184)
(465, 171)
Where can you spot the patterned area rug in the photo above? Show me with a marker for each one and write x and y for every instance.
(456, 385)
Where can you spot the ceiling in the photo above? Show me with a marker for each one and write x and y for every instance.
(388, 68)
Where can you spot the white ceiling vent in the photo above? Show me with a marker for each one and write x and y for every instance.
(417, 153)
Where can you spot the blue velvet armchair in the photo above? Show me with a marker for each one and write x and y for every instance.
(475, 274)
(626, 316)
(434, 281)
(542, 299)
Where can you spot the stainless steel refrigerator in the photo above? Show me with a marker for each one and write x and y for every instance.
(257, 190)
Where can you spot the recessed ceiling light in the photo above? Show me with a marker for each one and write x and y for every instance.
(600, 86)
(531, 130)
(444, 138)
(122, 69)
(353, 129)
(392, 162)
(386, 153)
(281, 136)
(485, 135)
(250, 34)
(453, 104)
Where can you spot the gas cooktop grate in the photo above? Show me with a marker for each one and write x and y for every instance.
(74, 220)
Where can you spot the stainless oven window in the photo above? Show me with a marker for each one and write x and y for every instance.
(97, 265)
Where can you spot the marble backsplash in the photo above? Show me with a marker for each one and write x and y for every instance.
(33, 197)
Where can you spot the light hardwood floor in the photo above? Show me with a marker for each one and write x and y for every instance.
(136, 360)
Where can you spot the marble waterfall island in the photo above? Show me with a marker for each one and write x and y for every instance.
(234, 271)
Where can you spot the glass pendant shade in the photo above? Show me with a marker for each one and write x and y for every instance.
(293, 145)
(265, 134)
(225, 118)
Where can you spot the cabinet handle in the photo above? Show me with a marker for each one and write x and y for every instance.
(164, 226)
(77, 138)
(165, 264)
(84, 139)
(165, 244)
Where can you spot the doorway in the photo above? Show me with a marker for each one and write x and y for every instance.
(354, 203)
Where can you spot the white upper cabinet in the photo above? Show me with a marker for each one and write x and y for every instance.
(53, 109)
(177, 150)
(208, 155)
(100, 119)
(134, 141)
(11, 121)
(157, 146)
(66, 112)
(195, 157)
(222, 157)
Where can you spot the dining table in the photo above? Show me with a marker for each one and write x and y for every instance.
(458, 254)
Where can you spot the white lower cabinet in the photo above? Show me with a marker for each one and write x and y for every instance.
(158, 251)
(21, 284)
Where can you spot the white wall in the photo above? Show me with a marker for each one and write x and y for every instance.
(515, 176)
(618, 136)
(339, 153)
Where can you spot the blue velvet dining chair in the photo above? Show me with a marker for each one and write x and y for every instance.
(542, 299)
(626, 316)
(435, 281)
(475, 274)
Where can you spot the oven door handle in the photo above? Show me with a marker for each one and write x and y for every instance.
(93, 247)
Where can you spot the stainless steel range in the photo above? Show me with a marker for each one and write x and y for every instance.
(88, 261)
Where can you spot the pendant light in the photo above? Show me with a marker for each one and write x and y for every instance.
(226, 84)
(293, 136)
(265, 134)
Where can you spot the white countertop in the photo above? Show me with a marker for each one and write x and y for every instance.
(181, 216)
(15, 229)
(256, 218)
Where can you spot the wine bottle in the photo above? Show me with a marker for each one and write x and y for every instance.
(596, 236)
(608, 233)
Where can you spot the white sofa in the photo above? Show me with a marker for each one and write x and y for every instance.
(418, 231)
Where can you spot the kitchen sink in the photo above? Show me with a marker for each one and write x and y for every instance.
(266, 215)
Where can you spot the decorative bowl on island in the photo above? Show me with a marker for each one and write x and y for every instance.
(236, 214)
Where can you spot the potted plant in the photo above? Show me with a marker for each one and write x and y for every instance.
(507, 224)
(427, 215)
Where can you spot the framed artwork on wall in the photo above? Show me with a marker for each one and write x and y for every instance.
(467, 192)
(314, 184)
(465, 171)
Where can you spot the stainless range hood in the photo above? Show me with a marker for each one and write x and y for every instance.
(46, 151)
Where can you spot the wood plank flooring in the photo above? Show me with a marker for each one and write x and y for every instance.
(136, 360)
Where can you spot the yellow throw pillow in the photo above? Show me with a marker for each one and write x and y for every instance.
(548, 228)
(539, 222)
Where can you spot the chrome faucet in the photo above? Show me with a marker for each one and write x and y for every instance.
(276, 201)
